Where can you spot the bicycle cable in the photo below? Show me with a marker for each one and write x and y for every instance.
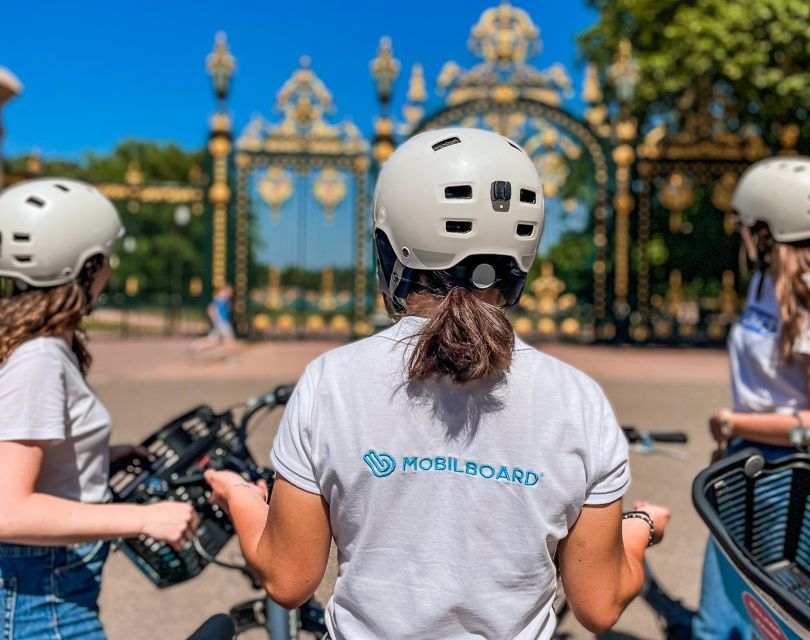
(198, 547)
(263, 414)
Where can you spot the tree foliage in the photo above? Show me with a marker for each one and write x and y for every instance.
(756, 49)
(163, 256)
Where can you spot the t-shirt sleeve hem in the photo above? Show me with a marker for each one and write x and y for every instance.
(600, 497)
(10, 434)
(293, 477)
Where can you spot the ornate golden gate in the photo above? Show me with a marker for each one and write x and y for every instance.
(297, 226)
(687, 174)
(568, 290)
(628, 204)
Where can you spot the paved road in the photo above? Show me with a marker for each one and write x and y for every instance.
(145, 382)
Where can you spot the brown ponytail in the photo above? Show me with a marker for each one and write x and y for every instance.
(465, 339)
(789, 263)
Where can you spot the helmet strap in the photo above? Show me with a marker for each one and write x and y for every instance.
(396, 278)
(762, 268)
(87, 276)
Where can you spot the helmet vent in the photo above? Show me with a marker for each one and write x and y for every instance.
(22, 237)
(528, 196)
(441, 144)
(513, 145)
(525, 230)
(458, 192)
(458, 226)
(37, 202)
(61, 187)
(23, 259)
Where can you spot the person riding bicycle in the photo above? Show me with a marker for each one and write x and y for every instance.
(56, 236)
(220, 339)
(449, 460)
(219, 313)
(769, 347)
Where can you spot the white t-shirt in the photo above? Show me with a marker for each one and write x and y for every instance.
(43, 396)
(760, 380)
(447, 502)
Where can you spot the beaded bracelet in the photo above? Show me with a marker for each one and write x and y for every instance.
(642, 515)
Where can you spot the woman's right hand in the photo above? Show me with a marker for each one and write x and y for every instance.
(660, 516)
(174, 522)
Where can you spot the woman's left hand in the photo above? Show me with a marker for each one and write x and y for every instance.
(222, 484)
(720, 425)
(118, 451)
(720, 428)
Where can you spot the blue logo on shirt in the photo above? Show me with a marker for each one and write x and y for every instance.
(384, 464)
(760, 322)
(381, 464)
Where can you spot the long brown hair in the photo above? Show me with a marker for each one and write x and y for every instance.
(52, 311)
(789, 264)
(464, 339)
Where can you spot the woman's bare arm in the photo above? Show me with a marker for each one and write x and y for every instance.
(601, 563)
(767, 428)
(28, 517)
(286, 543)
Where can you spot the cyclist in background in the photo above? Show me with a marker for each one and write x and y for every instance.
(219, 313)
(768, 347)
(56, 236)
(220, 341)
(449, 460)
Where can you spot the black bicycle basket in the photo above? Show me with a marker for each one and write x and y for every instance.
(759, 514)
(183, 448)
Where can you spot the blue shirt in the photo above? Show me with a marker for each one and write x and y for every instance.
(223, 307)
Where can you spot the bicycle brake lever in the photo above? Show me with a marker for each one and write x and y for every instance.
(192, 478)
(654, 450)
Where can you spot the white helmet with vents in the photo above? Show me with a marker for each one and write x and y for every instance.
(776, 191)
(49, 227)
(461, 200)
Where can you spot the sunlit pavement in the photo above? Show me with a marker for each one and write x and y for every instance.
(147, 381)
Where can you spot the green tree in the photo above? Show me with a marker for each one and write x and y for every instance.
(163, 256)
(756, 50)
(572, 258)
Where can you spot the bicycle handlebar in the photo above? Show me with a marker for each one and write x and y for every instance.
(633, 435)
(277, 397)
(179, 453)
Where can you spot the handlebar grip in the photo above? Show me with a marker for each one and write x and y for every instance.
(633, 435)
(673, 436)
(283, 393)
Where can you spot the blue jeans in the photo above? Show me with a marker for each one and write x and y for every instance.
(51, 593)
(716, 619)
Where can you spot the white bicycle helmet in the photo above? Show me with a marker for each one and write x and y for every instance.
(466, 202)
(50, 227)
(776, 191)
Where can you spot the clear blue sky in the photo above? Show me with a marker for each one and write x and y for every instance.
(96, 72)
